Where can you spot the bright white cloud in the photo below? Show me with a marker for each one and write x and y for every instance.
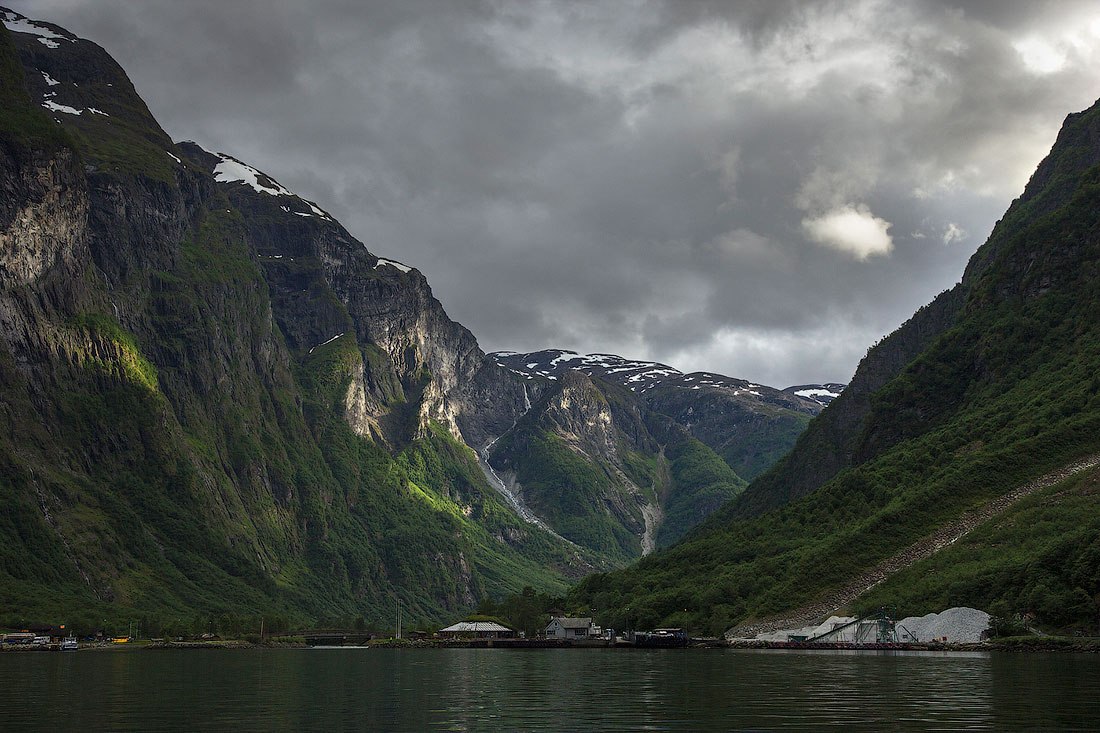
(1040, 56)
(853, 230)
(954, 233)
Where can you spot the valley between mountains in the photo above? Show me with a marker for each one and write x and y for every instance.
(216, 401)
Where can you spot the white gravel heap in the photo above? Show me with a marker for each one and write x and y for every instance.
(960, 625)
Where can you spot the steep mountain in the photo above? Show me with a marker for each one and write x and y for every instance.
(978, 413)
(214, 399)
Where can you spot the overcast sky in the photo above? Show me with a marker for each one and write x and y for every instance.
(761, 189)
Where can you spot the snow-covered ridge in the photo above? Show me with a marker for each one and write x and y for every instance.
(638, 376)
(21, 24)
(645, 376)
(231, 170)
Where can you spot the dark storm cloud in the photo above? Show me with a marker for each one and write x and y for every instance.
(756, 188)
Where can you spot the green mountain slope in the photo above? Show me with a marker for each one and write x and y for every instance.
(605, 472)
(181, 437)
(990, 386)
(216, 401)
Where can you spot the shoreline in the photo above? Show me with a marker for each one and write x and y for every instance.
(1015, 645)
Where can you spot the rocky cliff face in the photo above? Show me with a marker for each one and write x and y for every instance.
(564, 460)
(189, 373)
(325, 283)
(215, 399)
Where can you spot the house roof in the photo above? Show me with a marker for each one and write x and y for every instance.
(568, 622)
(474, 627)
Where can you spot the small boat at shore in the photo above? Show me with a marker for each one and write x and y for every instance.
(667, 638)
(69, 644)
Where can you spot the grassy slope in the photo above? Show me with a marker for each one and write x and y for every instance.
(1007, 393)
(750, 459)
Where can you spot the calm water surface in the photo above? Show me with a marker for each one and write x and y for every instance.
(545, 690)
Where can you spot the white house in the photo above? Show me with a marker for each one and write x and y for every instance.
(565, 627)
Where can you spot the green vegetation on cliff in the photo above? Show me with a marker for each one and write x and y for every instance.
(700, 483)
(568, 492)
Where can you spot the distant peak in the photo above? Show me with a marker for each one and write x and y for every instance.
(822, 393)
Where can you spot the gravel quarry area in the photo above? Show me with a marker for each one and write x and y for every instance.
(959, 625)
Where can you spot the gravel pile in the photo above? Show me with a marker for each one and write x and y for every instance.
(959, 625)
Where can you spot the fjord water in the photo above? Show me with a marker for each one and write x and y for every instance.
(551, 690)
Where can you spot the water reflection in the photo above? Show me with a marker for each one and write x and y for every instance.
(550, 690)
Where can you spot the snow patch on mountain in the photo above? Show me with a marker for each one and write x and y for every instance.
(822, 393)
(21, 24)
(55, 107)
(231, 170)
(816, 393)
(392, 263)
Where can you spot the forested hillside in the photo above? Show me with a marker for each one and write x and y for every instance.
(990, 386)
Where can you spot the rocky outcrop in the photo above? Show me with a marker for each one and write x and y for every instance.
(605, 471)
(43, 218)
(567, 460)
(419, 366)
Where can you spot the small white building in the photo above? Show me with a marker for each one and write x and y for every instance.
(566, 627)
